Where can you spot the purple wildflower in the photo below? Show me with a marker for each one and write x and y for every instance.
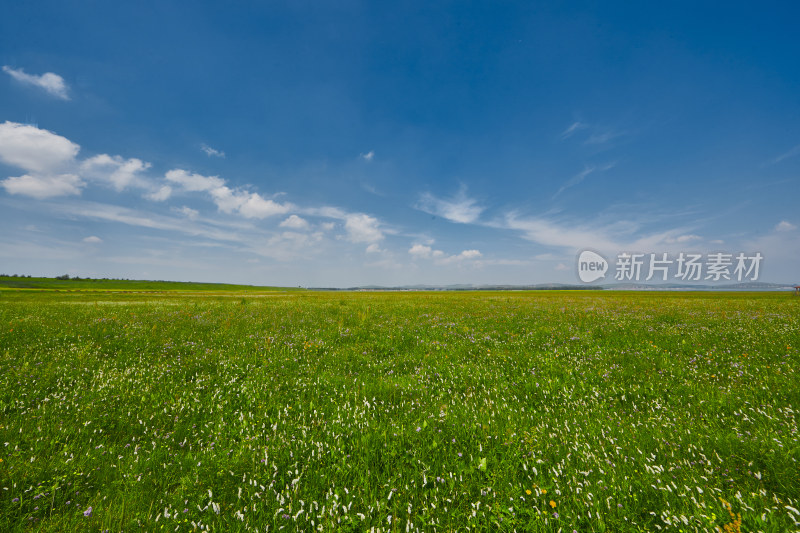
(88, 512)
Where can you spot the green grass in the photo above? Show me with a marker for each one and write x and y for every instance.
(81, 284)
(429, 411)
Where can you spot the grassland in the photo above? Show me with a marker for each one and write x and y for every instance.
(124, 285)
(538, 411)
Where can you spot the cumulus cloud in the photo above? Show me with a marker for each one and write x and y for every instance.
(362, 228)
(211, 152)
(783, 225)
(247, 204)
(368, 156)
(35, 150)
(161, 194)
(52, 167)
(52, 83)
(41, 187)
(459, 209)
(373, 249)
(257, 207)
(194, 182)
(294, 222)
(93, 239)
(119, 172)
(421, 251)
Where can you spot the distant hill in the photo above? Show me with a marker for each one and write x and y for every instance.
(747, 286)
(465, 287)
(85, 284)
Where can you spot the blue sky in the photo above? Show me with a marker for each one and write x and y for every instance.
(354, 143)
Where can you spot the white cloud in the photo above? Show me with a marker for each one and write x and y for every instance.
(118, 171)
(257, 207)
(603, 137)
(373, 249)
(470, 254)
(50, 82)
(328, 226)
(162, 194)
(34, 149)
(362, 228)
(294, 222)
(785, 226)
(420, 250)
(226, 199)
(368, 156)
(93, 240)
(249, 205)
(441, 259)
(575, 126)
(552, 234)
(41, 187)
(53, 168)
(188, 212)
(459, 209)
(683, 239)
(211, 152)
(194, 182)
(791, 153)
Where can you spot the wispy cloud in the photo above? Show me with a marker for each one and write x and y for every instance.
(460, 208)
(93, 239)
(368, 156)
(572, 129)
(783, 225)
(212, 152)
(603, 137)
(791, 153)
(52, 83)
(580, 176)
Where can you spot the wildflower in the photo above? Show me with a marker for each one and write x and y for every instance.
(552, 504)
(555, 515)
(15, 500)
(88, 512)
(528, 492)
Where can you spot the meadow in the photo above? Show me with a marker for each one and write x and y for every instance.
(476, 411)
